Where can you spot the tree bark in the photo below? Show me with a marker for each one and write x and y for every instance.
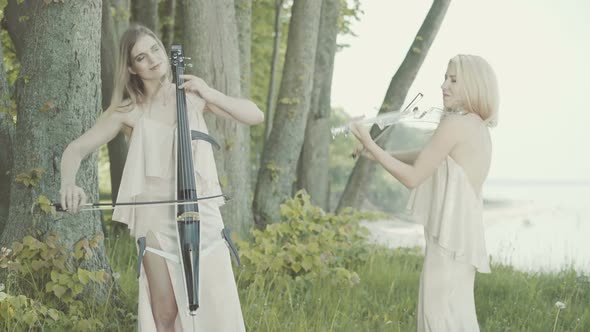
(179, 21)
(279, 159)
(270, 101)
(244, 24)
(6, 143)
(313, 173)
(122, 13)
(211, 39)
(169, 14)
(108, 51)
(58, 98)
(356, 188)
(145, 12)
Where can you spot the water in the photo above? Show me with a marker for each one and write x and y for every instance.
(543, 226)
(532, 226)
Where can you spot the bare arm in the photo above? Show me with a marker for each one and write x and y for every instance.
(445, 138)
(406, 156)
(106, 128)
(238, 109)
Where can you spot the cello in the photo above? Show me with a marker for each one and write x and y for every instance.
(187, 215)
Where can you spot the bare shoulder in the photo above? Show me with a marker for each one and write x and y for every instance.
(459, 124)
(125, 113)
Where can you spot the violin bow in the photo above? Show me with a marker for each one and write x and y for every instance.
(109, 206)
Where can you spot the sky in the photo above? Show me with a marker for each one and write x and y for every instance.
(540, 50)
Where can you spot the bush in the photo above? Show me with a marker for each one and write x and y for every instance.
(308, 244)
(49, 285)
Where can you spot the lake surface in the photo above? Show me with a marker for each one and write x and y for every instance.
(532, 226)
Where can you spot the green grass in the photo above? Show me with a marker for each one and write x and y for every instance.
(385, 300)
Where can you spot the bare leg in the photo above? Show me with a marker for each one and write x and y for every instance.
(164, 307)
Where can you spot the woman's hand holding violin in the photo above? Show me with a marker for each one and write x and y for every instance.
(364, 136)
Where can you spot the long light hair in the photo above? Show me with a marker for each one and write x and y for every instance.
(129, 87)
(479, 85)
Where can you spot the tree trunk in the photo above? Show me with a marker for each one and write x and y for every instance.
(169, 14)
(58, 98)
(356, 188)
(281, 152)
(270, 101)
(179, 22)
(244, 24)
(108, 50)
(211, 39)
(121, 15)
(313, 173)
(243, 10)
(145, 12)
(6, 143)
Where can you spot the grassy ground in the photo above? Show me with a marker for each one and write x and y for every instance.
(385, 300)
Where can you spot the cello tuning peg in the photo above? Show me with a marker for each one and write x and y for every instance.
(190, 65)
(187, 58)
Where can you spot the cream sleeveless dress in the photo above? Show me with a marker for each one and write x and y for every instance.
(451, 212)
(149, 175)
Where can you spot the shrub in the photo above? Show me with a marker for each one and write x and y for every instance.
(308, 244)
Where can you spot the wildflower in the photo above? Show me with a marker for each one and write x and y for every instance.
(4, 252)
(560, 306)
(116, 275)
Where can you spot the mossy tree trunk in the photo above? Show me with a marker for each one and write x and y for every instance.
(277, 172)
(211, 40)
(58, 97)
(6, 143)
(145, 12)
(313, 172)
(167, 22)
(121, 12)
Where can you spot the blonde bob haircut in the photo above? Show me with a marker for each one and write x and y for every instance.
(479, 85)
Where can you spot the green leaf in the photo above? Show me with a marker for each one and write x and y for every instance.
(307, 263)
(84, 276)
(59, 290)
(54, 314)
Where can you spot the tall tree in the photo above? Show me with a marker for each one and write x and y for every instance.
(244, 24)
(313, 171)
(121, 13)
(57, 98)
(274, 64)
(145, 12)
(355, 192)
(211, 39)
(281, 152)
(108, 50)
(6, 142)
(168, 14)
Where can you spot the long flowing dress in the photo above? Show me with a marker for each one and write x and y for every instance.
(150, 175)
(450, 210)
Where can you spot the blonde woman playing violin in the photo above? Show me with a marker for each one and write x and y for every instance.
(446, 179)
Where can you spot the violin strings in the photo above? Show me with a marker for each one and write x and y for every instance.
(185, 141)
